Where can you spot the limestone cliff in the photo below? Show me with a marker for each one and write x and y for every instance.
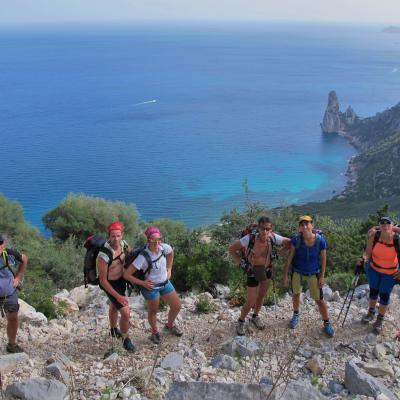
(334, 120)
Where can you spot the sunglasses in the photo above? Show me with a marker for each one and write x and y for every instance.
(155, 240)
(385, 223)
(305, 223)
(264, 229)
(1, 242)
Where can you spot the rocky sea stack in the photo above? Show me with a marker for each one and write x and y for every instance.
(334, 120)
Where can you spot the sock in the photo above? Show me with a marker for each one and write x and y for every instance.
(296, 312)
(326, 321)
(255, 315)
(240, 320)
(380, 316)
(371, 310)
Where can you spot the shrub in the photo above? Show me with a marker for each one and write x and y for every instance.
(204, 305)
(38, 291)
(80, 216)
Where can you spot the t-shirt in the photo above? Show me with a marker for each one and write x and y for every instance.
(306, 259)
(6, 276)
(158, 273)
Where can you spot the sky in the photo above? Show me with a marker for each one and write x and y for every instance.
(54, 11)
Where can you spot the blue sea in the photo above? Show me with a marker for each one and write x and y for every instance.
(176, 117)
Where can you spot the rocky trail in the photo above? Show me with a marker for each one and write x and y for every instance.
(64, 358)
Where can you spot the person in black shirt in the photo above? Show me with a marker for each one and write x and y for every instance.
(8, 290)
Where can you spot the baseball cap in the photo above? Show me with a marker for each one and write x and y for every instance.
(385, 220)
(306, 218)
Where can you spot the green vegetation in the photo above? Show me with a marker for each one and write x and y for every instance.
(201, 256)
(204, 305)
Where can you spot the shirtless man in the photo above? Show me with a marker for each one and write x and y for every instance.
(111, 260)
(259, 273)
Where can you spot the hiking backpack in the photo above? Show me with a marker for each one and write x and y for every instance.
(318, 237)
(93, 245)
(252, 231)
(141, 250)
(6, 262)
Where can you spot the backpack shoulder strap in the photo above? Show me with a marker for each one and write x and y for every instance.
(299, 238)
(148, 259)
(318, 239)
(4, 255)
(107, 251)
(252, 240)
(396, 243)
(376, 238)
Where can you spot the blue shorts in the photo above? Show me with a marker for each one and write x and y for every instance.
(158, 291)
(377, 280)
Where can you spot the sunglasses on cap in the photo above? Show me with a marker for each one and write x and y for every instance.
(385, 222)
(305, 222)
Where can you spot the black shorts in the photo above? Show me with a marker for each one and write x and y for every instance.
(120, 287)
(10, 303)
(253, 282)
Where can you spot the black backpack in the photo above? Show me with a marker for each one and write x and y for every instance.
(251, 230)
(141, 250)
(93, 245)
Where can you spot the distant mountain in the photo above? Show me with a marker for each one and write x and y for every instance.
(392, 29)
(374, 173)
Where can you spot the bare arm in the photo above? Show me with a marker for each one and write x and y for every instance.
(234, 250)
(322, 260)
(368, 250)
(129, 276)
(170, 261)
(19, 275)
(289, 260)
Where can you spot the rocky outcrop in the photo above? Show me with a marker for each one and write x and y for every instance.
(334, 120)
(38, 389)
(78, 352)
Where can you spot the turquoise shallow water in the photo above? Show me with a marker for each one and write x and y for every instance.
(174, 118)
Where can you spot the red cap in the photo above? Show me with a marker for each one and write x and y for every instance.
(115, 226)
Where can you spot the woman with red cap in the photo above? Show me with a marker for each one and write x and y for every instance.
(156, 263)
(111, 261)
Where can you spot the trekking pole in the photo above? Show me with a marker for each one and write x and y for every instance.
(223, 311)
(274, 290)
(350, 292)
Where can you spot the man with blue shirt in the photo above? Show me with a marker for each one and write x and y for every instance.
(8, 291)
(307, 257)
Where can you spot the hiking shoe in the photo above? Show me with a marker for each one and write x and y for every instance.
(256, 321)
(174, 330)
(328, 329)
(115, 332)
(294, 321)
(128, 345)
(377, 325)
(14, 348)
(240, 328)
(155, 338)
(367, 318)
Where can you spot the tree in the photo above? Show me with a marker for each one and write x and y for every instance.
(81, 216)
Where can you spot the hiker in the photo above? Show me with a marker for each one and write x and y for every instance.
(112, 282)
(156, 262)
(8, 291)
(307, 259)
(259, 247)
(382, 269)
